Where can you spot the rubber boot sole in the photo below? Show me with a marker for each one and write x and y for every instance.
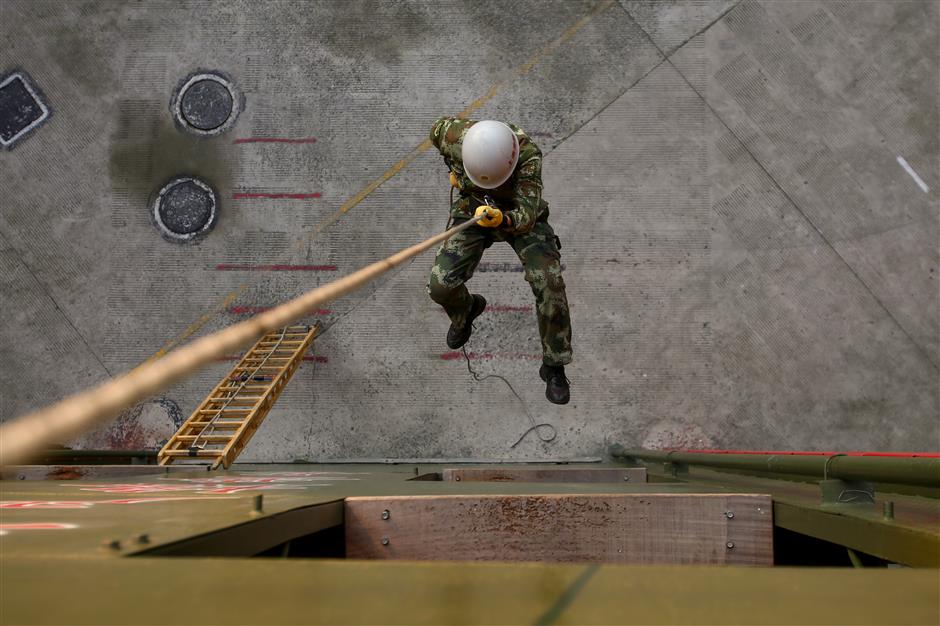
(547, 396)
(479, 305)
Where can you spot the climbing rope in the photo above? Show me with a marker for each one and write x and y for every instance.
(23, 437)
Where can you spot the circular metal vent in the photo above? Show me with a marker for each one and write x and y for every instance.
(185, 208)
(206, 103)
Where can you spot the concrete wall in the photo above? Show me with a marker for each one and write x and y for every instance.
(748, 263)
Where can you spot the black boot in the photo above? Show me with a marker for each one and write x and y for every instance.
(458, 335)
(556, 388)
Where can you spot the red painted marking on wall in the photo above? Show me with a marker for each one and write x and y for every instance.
(488, 356)
(313, 358)
(247, 267)
(275, 140)
(251, 310)
(275, 196)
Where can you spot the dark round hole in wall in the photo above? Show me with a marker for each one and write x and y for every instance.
(206, 103)
(185, 208)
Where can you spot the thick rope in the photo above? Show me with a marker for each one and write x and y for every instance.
(27, 435)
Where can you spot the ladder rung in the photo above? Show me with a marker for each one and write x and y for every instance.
(260, 360)
(245, 388)
(238, 408)
(203, 437)
(216, 424)
(281, 352)
(236, 396)
(263, 367)
(230, 405)
(199, 453)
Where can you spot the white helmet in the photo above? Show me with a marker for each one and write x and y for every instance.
(490, 153)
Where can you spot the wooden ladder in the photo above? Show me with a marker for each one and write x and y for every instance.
(220, 428)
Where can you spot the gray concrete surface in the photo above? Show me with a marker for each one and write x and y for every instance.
(749, 264)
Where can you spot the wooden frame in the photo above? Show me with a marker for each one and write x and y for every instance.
(721, 529)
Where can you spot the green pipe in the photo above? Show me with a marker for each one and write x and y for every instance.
(921, 471)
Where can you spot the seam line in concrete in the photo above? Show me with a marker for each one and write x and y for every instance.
(687, 39)
(45, 291)
(645, 74)
(923, 352)
(859, 238)
(606, 106)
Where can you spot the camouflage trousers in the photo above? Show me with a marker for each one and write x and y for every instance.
(459, 256)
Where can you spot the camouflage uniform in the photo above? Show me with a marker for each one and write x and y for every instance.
(530, 236)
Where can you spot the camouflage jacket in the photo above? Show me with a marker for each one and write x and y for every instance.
(520, 196)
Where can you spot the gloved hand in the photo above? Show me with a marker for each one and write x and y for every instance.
(494, 217)
(454, 182)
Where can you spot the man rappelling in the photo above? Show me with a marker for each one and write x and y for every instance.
(497, 171)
